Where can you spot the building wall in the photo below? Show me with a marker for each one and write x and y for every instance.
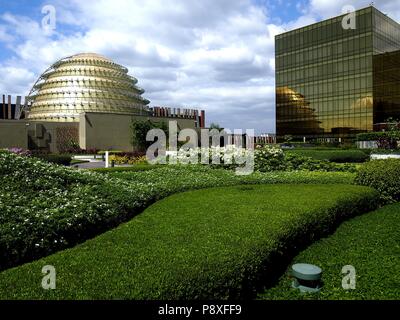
(50, 136)
(324, 78)
(94, 131)
(13, 134)
(113, 131)
(386, 87)
(386, 69)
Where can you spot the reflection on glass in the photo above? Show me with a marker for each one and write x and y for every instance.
(386, 86)
(332, 82)
(295, 114)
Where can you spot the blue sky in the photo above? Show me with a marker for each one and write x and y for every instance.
(216, 55)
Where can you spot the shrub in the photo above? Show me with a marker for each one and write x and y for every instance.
(137, 167)
(298, 162)
(20, 151)
(140, 130)
(267, 158)
(271, 158)
(333, 155)
(45, 208)
(384, 176)
(61, 159)
(207, 244)
(371, 136)
(128, 158)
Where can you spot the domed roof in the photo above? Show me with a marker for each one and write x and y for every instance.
(85, 82)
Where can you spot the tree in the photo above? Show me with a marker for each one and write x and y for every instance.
(139, 132)
(392, 135)
(214, 125)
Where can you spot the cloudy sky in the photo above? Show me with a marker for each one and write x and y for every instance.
(216, 55)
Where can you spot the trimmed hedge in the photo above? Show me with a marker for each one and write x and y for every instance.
(370, 243)
(332, 155)
(271, 158)
(45, 208)
(61, 159)
(382, 175)
(298, 162)
(371, 136)
(209, 244)
(134, 168)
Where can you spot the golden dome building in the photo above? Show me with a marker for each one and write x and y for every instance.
(84, 101)
(85, 82)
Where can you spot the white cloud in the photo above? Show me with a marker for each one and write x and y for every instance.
(17, 78)
(208, 54)
(216, 55)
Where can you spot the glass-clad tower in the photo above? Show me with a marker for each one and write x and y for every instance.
(334, 82)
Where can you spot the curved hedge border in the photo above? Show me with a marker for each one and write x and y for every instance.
(214, 243)
(45, 208)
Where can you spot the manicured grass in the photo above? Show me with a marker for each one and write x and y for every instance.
(337, 155)
(370, 243)
(211, 243)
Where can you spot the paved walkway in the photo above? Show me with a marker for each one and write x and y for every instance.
(90, 165)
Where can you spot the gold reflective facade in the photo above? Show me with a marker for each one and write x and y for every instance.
(85, 82)
(331, 82)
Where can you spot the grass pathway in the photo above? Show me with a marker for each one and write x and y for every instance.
(370, 243)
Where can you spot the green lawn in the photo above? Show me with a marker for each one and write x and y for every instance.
(211, 243)
(370, 243)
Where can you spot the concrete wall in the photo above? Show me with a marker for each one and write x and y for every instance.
(96, 130)
(13, 133)
(112, 131)
(43, 135)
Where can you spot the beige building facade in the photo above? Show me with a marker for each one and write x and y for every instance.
(86, 101)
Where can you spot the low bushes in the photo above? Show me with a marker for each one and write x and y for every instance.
(384, 176)
(128, 158)
(135, 168)
(370, 243)
(271, 158)
(371, 136)
(299, 162)
(45, 208)
(206, 244)
(333, 155)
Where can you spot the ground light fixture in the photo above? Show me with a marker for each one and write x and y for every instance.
(307, 277)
